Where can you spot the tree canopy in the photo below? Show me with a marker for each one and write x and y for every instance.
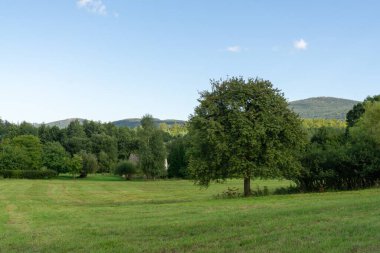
(151, 149)
(243, 128)
(358, 110)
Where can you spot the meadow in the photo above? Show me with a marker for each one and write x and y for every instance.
(106, 214)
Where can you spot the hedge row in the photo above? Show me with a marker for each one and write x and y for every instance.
(28, 174)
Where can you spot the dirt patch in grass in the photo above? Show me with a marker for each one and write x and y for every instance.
(16, 219)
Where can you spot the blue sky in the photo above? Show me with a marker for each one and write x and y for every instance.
(108, 60)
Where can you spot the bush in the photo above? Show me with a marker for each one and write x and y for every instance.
(90, 164)
(231, 192)
(29, 174)
(125, 168)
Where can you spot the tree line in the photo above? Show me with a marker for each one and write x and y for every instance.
(241, 128)
(244, 129)
(88, 147)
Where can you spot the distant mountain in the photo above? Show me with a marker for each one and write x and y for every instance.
(323, 107)
(317, 107)
(63, 123)
(133, 122)
(136, 122)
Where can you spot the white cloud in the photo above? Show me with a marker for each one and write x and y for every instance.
(234, 49)
(95, 6)
(300, 44)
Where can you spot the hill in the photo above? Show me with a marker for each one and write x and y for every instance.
(63, 123)
(313, 108)
(323, 107)
(133, 122)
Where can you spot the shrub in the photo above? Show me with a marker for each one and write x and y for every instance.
(125, 168)
(261, 192)
(90, 164)
(231, 192)
(54, 155)
(29, 174)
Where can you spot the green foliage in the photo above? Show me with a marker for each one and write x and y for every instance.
(365, 147)
(324, 160)
(105, 163)
(54, 157)
(91, 127)
(27, 129)
(318, 123)
(358, 110)
(313, 125)
(126, 169)
(13, 157)
(244, 129)
(335, 160)
(28, 174)
(75, 165)
(76, 139)
(104, 143)
(75, 129)
(90, 164)
(174, 130)
(32, 147)
(368, 126)
(177, 158)
(231, 192)
(126, 142)
(22, 152)
(50, 134)
(76, 144)
(151, 150)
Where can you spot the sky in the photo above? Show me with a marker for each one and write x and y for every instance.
(113, 59)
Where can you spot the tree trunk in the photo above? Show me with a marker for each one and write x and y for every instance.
(83, 174)
(247, 186)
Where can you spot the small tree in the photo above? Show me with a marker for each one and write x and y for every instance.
(358, 110)
(53, 157)
(151, 148)
(90, 164)
(243, 129)
(126, 169)
(368, 126)
(104, 162)
(32, 148)
(177, 158)
(75, 165)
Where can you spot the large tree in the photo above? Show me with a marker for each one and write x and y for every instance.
(177, 158)
(243, 129)
(368, 126)
(90, 164)
(54, 157)
(358, 110)
(151, 150)
(75, 140)
(23, 152)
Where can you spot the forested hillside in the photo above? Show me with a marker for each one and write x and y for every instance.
(132, 122)
(310, 108)
(64, 123)
(136, 122)
(323, 107)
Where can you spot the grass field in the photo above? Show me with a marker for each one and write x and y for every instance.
(103, 214)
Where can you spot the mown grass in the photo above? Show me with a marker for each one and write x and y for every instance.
(105, 214)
